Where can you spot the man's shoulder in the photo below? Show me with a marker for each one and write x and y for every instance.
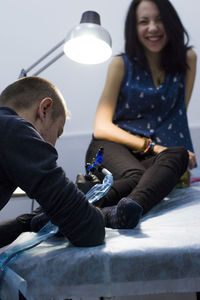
(8, 116)
(9, 119)
(14, 129)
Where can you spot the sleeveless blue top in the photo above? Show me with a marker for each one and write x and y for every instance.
(158, 113)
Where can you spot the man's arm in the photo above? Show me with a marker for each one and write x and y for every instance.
(30, 163)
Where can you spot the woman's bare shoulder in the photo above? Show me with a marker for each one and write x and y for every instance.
(191, 56)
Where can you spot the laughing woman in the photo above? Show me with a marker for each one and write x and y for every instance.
(141, 119)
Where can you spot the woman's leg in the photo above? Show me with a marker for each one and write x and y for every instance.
(127, 171)
(146, 182)
(162, 174)
(125, 168)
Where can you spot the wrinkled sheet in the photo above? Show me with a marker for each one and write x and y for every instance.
(162, 254)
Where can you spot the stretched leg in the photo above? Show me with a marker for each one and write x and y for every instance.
(160, 178)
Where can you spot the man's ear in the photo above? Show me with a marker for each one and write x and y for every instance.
(44, 108)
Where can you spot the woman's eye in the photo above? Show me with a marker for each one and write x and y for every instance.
(142, 22)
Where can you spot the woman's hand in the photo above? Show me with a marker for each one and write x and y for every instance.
(192, 157)
(158, 148)
(192, 160)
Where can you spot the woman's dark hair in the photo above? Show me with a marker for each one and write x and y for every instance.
(174, 53)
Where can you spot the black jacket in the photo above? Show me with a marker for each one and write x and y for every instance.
(28, 162)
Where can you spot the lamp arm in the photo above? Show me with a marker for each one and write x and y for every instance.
(49, 63)
(24, 72)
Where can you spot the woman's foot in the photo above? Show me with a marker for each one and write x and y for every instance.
(125, 215)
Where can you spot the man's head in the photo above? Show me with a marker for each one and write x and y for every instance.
(38, 101)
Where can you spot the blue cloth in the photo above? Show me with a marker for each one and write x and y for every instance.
(155, 112)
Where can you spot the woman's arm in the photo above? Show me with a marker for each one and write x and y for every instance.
(104, 128)
(190, 75)
(189, 83)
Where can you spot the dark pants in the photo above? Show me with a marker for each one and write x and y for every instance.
(147, 180)
(11, 229)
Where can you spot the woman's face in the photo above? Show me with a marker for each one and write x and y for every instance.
(150, 28)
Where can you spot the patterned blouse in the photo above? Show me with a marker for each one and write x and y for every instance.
(156, 112)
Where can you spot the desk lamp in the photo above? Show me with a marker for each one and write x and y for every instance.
(87, 43)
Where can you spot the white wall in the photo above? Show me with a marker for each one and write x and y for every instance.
(189, 13)
(28, 29)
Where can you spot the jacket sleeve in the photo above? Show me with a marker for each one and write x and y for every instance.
(30, 163)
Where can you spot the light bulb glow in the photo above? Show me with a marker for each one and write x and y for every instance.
(87, 49)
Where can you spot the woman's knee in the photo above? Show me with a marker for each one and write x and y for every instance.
(176, 156)
(180, 153)
(184, 158)
(184, 154)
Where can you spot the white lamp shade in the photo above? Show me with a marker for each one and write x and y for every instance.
(88, 43)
